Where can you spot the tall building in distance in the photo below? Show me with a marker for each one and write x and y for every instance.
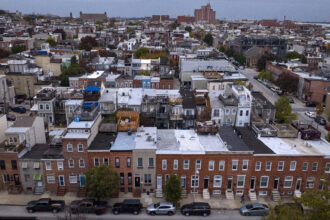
(205, 14)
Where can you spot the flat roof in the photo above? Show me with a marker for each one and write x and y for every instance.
(124, 142)
(146, 138)
(36, 152)
(233, 141)
(102, 142)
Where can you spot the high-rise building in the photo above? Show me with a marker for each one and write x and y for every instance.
(205, 14)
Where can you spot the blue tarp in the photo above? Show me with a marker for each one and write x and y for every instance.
(92, 89)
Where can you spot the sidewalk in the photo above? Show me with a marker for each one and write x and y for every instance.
(216, 202)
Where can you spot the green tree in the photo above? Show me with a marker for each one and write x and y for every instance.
(51, 41)
(102, 181)
(73, 70)
(144, 73)
(319, 109)
(287, 83)
(328, 137)
(141, 52)
(18, 48)
(284, 113)
(188, 29)
(285, 213)
(172, 189)
(73, 60)
(208, 39)
(99, 22)
(265, 75)
(222, 49)
(240, 58)
(261, 64)
(87, 43)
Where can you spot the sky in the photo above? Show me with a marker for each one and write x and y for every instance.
(298, 10)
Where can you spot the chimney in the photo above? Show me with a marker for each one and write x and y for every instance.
(71, 15)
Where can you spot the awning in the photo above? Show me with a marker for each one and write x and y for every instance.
(37, 177)
(36, 165)
(24, 165)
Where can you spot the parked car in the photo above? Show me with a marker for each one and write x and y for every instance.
(45, 205)
(19, 99)
(292, 205)
(320, 120)
(18, 109)
(254, 209)
(161, 208)
(127, 206)
(196, 208)
(311, 104)
(310, 114)
(255, 77)
(291, 100)
(11, 117)
(88, 206)
(327, 127)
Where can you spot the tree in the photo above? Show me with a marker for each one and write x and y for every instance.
(102, 181)
(73, 60)
(261, 65)
(18, 48)
(328, 137)
(284, 113)
(240, 58)
(51, 41)
(287, 83)
(319, 109)
(222, 49)
(73, 70)
(208, 39)
(144, 73)
(141, 51)
(87, 43)
(188, 29)
(295, 55)
(105, 53)
(172, 189)
(285, 212)
(4, 53)
(265, 75)
(99, 22)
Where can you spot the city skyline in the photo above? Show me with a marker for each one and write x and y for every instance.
(298, 10)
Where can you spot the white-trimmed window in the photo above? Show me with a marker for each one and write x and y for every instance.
(211, 165)
(305, 166)
(288, 182)
(73, 178)
(310, 182)
(221, 165)
(198, 164)
(48, 165)
(258, 166)
(41, 107)
(175, 164)
(280, 166)
(245, 164)
(264, 182)
(268, 166)
(217, 181)
(71, 163)
(240, 181)
(186, 164)
(195, 181)
(314, 166)
(47, 107)
(234, 164)
(81, 163)
(164, 164)
(50, 179)
(69, 148)
(80, 148)
(327, 167)
(59, 165)
(96, 161)
(293, 165)
(106, 161)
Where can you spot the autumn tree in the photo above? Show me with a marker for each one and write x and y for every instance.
(87, 43)
(141, 51)
(319, 109)
(51, 41)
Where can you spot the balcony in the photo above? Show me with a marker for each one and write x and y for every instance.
(128, 120)
(46, 94)
(207, 127)
(8, 147)
(189, 117)
(264, 130)
(88, 111)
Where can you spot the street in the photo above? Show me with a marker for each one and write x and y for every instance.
(7, 211)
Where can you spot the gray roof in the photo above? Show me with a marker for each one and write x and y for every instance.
(124, 142)
(36, 152)
(253, 51)
(234, 142)
(102, 141)
(24, 121)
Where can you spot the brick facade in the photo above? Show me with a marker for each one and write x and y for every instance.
(53, 171)
(10, 174)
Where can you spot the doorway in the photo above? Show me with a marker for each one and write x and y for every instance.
(61, 179)
(82, 181)
(183, 181)
(229, 182)
(137, 181)
(159, 181)
(16, 180)
(276, 181)
(252, 182)
(298, 184)
(206, 182)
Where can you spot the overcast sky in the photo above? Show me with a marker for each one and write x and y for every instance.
(304, 10)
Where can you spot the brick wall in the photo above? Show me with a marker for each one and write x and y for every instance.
(53, 171)
(9, 170)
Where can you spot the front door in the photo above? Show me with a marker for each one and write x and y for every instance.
(298, 184)
(276, 181)
(82, 181)
(252, 182)
(159, 181)
(16, 179)
(230, 182)
(61, 178)
(137, 181)
(183, 181)
(206, 182)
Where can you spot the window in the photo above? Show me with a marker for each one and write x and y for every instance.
(164, 164)
(310, 182)
(198, 164)
(2, 165)
(314, 167)
(80, 148)
(240, 181)
(47, 107)
(117, 162)
(69, 148)
(106, 161)
(5, 178)
(175, 164)
(147, 178)
(59, 165)
(245, 164)
(327, 167)
(234, 164)
(293, 165)
(81, 163)
(27, 177)
(305, 166)
(48, 165)
(151, 162)
(129, 178)
(122, 179)
(71, 163)
(96, 161)
(247, 113)
(211, 165)
(216, 113)
(264, 182)
(222, 165)
(140, 162)
(73, 179)
(128, 162)
(41, 107)
(186, 165)
(14, 164)
(217, 181)
(288, 181)
(50, 179)
(241, 113)
(195, 181)
(280, 166)
(268, 166)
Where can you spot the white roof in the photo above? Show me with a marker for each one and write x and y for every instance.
(15, 130)
(77, 135)
(81, 124)
(146, 138)
(74, 102)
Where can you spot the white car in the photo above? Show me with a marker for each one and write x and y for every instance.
(310, 114)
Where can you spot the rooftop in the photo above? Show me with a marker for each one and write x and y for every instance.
(232, 140)
(124, 142)
(102, 142)
(146, 138)
(36, 152)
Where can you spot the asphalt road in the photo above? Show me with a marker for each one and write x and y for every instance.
(20, 211)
